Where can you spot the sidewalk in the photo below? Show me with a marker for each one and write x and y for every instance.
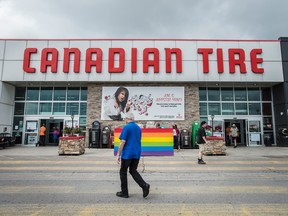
(240, 152)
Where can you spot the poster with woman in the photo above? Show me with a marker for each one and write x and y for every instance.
(146, 103)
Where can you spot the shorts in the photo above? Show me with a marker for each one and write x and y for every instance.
(201, 147)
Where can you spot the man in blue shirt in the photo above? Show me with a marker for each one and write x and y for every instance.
(129, 151)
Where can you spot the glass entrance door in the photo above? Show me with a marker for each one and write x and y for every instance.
(31, 132)
(254, 128)
(53, 124)
(241, 125)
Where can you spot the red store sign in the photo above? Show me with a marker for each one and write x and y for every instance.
(237, 58)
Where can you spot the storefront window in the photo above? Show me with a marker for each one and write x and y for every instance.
(203, 108)
(267, 110)
(267, 124)
(45, 108)
(31, 109)
(20, 93)
(241, 109)
(73, 94)
(84, 94)
(217, 128)
(19, 109)
(203, 119)
(46, 94)
(266, 94)
(254, 109)
(83, 108)
(60, 94)
(227, 94)
(82, 121)
(18, 123)
(72, 108)
(32, 94)
(253, 94)
(202, 94)
(59, 109)
(213, 94)
(227, 108)
(254, 126)
(240, 94)
(214, 108)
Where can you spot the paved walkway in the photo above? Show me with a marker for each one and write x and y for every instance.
(247, 181)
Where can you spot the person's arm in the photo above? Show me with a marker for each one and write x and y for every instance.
(120, 148)
(204, 138)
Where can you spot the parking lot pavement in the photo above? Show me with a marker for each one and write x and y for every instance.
(247, 181)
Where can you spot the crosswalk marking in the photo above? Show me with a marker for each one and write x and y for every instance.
(141, 209)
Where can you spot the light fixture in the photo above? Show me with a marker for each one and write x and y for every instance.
(72, 117)
(212, 117)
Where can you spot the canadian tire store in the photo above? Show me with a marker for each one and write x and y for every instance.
(65, 82)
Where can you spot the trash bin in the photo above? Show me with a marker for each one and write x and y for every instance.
(195, 126)
(106, 133)
(185, 142)
(94, 135)
(268, 139)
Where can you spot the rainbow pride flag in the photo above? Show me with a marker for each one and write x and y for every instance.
(155, 141)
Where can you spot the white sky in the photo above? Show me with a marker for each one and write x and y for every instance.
(190, 19)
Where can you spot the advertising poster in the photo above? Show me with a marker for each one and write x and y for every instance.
(146, 103)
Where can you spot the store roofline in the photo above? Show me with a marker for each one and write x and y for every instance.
(139, 39)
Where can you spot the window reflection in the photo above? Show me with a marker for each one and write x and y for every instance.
(213, 94)
(32, 94)
(253, 94)
(46, 94)
(227, 94)
(240, 94)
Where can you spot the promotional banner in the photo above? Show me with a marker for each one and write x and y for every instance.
(146, 103)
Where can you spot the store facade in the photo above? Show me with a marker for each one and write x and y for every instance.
(72, 82)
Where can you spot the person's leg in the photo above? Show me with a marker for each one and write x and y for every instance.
(135, 174)
(200, 154)
(138, 178)
(42, 140)
(235, 141)
(123, 176)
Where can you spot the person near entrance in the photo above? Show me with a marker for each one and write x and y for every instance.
(234, 134)
(201, 140)
(129, 151)
(55, 135)
(227, 135)
(42, 135)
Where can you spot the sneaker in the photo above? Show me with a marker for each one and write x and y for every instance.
(120, 194)
(146, 190)
(235, 146)
(201, 162)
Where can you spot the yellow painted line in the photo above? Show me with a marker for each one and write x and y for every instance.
(37, 189)
(234, 189)
(200, 168)
(147, 208)
(147, 160)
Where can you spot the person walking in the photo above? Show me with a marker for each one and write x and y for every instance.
(227, 135)
(234, 134)
(42, 135)
(201, 140)
(55, 135)
(129, 152)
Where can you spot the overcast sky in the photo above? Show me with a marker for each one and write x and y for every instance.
(189, 19)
